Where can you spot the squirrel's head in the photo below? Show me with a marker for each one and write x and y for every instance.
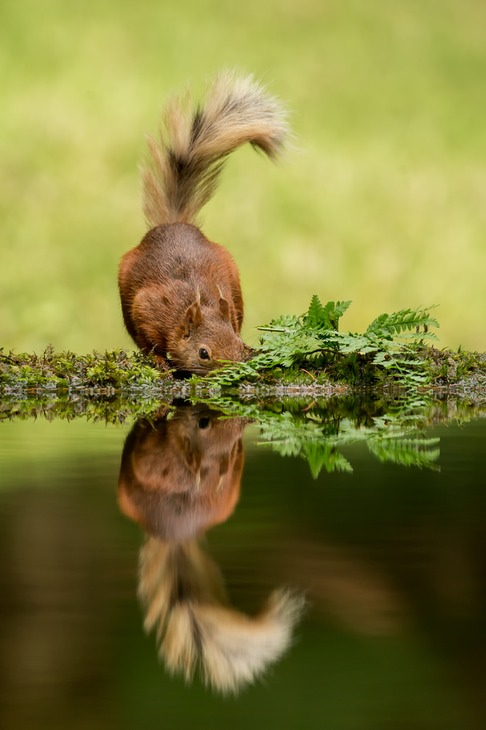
(204, 339)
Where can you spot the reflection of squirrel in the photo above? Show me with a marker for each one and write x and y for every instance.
(179, 477)
(180, 293)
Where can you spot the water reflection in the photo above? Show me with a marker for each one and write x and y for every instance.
(391, 560)
(181, 475)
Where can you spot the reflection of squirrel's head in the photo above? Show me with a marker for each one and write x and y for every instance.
(181, 474)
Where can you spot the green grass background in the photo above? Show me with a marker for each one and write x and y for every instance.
(381, 200)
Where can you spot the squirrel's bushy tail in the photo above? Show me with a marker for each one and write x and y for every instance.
(185, 164)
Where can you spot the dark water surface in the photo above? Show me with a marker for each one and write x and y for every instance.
(214, 543)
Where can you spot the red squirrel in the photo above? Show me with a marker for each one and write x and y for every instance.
(180, 293)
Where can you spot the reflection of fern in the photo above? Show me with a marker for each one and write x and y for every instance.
(321, 451)
(324, 456)
(386, 441)
(318, 435)
(407, 451)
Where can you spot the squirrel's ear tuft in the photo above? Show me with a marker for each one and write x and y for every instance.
(192, 318)
(224, 308)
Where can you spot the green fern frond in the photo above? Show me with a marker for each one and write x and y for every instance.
(327, 316)
(390, 325)
(290, 341)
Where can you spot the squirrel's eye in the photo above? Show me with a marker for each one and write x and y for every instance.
(203, 353)
(204, 422)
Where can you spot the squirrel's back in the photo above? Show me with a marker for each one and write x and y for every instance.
(185, 163)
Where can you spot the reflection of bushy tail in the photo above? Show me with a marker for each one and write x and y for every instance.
(182, 591)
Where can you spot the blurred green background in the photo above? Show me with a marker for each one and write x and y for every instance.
(382, 199)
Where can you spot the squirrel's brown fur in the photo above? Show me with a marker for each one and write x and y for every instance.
(180, 293)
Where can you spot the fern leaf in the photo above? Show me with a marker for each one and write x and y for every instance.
(326, 316)
(316, 314)
(338, 310)
(388, 325)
